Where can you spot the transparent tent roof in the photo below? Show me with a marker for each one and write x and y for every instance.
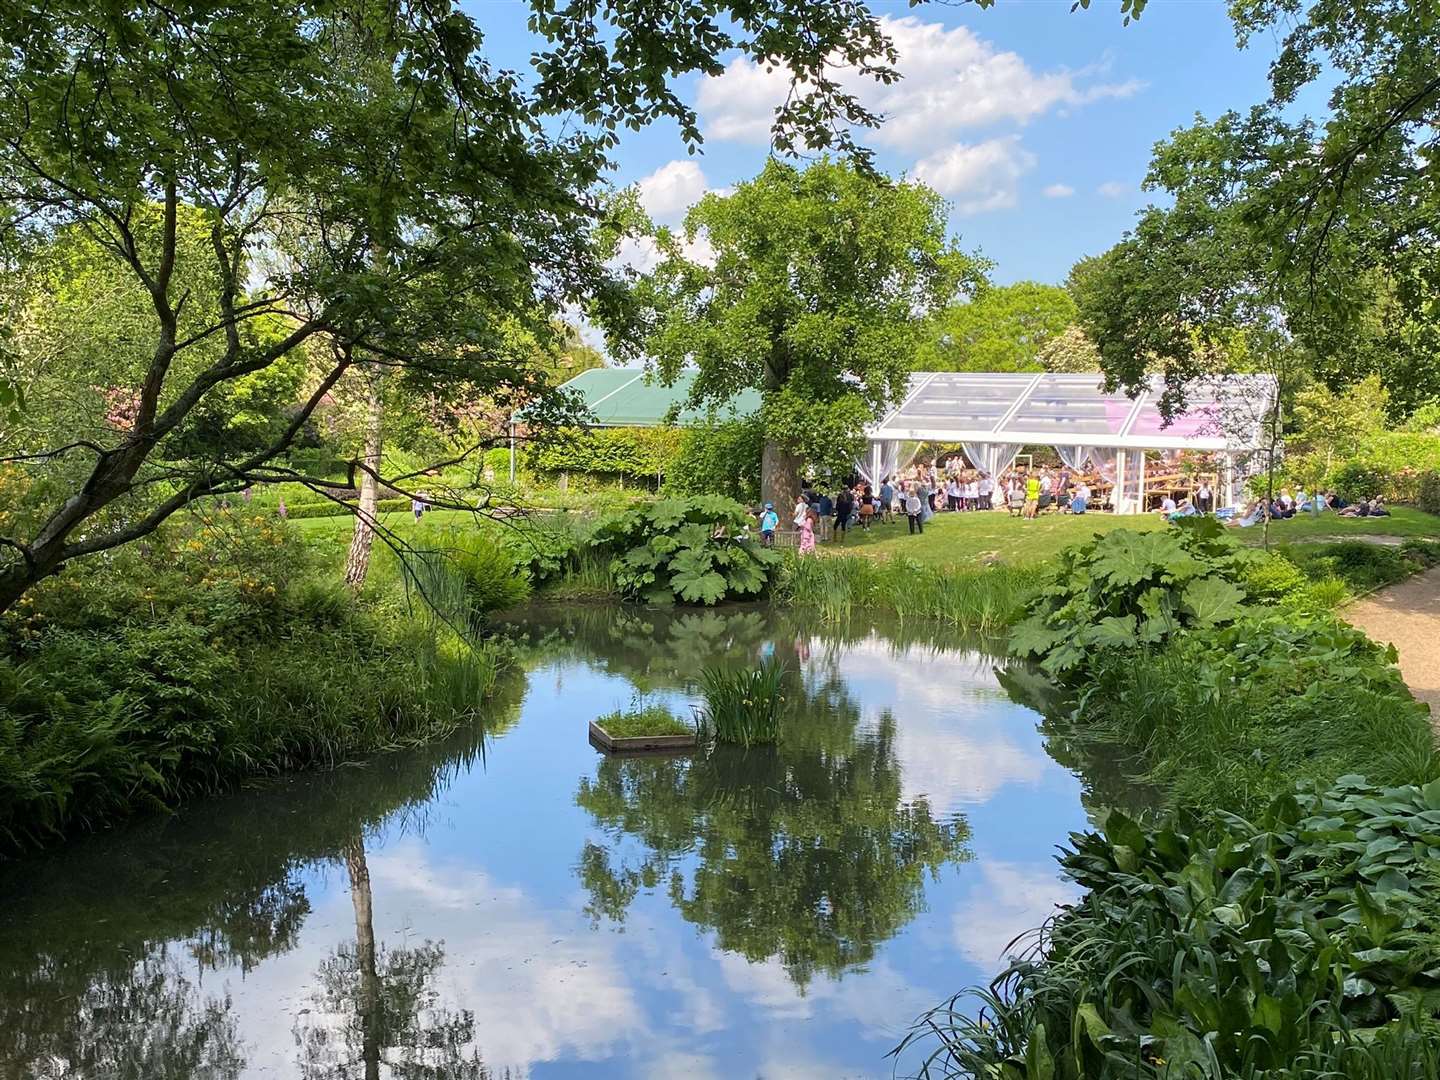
(1223, 413)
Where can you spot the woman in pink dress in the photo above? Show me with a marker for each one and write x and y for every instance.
(807, 533)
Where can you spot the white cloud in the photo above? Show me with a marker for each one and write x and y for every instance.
(1059, 191)
(953, 80)
(642, 254)
(1011, 900)
(672, 189)
(1113, 189)
(980, 177)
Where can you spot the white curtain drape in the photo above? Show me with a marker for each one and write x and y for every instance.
(1104, 461)
(882, 459)
(992, 459)
(1073, 456)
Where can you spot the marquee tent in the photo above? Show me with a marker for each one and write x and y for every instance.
(993, 416)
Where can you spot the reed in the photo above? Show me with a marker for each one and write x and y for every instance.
(983, 600)
(742, 707)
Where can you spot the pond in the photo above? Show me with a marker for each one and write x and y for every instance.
(511, 903)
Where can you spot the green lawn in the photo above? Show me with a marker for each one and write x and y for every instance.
(958, 539)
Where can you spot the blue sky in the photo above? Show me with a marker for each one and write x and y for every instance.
(1035, 123)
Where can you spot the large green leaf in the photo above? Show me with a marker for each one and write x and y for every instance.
(1032, 637)
(1212, 600)
(698, 588)
(745, 578)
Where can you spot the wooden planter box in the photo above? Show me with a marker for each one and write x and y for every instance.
(603, 740)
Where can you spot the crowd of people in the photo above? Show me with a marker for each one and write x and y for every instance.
(921, 491)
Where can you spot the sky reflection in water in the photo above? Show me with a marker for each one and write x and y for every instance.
(538, 911)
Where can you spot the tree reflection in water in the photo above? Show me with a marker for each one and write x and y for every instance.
(805, 852)
(374, 1006)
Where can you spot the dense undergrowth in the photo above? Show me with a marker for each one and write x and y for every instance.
(1276, 918)
(213, 653)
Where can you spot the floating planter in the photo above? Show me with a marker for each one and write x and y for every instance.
(644, 730)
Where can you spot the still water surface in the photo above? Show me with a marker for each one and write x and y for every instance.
(513, 904)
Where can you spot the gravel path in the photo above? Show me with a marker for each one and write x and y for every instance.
(1408, 616)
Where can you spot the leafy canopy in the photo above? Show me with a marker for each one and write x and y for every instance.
(816, 294)
(1004, 328)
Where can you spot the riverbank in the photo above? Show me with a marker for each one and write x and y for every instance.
(216, 653)
(1289, 758)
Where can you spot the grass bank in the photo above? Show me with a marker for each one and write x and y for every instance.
(216, 652)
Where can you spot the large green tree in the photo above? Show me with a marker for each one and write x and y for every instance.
(817, 294)
(1322, 226)
(358, 168)
(1004, 328)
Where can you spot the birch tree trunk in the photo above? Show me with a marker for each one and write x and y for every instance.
(357, 563)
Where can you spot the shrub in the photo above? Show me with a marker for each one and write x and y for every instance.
(742, 706)
(635, 452)
(199, 658)
(1390, 464)
(1273, 577)
(1428, 492)
(1301, 944)
(479, 559)
(1126, 589)
(693, 550)
(327, 509)
(719, 459)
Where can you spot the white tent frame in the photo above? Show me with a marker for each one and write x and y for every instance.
(1242, 402)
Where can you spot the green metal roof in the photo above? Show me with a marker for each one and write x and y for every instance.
(630, 397)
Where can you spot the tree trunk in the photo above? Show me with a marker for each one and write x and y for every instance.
(780, 480)
(368, 1004)
(357, 564)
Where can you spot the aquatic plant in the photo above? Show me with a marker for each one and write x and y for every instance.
(742, 706)
(636, 722)
(837, 587)
(1300, 945)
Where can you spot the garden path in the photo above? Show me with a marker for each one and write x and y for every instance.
(1407, 616)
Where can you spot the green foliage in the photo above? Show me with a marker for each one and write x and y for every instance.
(1004, 328)
(982, 600)
(1299, 945)
(639, 453)
(207, 658)
(1391, 465)
(692, 550)
(742, 706)
(719, 459)
(636, 722)
(1427, 496)
(326, 509)
(816, 296)
(1363, 567)
(481, 560)
(1126, 589)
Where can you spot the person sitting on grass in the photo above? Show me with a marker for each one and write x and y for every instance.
(1080, 501)
(1167, 506)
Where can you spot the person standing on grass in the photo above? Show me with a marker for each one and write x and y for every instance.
(887, 499)
(802, 510)
(807, 532)
(1032, 496)
(769, 522)
(987, 492)
(914, 507)
(844, 508)
(1205, 498)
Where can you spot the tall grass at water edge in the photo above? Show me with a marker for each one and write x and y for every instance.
(986, 601)
(742, 707)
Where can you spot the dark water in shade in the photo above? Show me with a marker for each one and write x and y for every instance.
(513, 904)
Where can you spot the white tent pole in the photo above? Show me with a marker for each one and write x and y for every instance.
(1118, 501)
(1141, 507)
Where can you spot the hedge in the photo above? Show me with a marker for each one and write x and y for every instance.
(622, 451)
(334, 509)
(1390, 464)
